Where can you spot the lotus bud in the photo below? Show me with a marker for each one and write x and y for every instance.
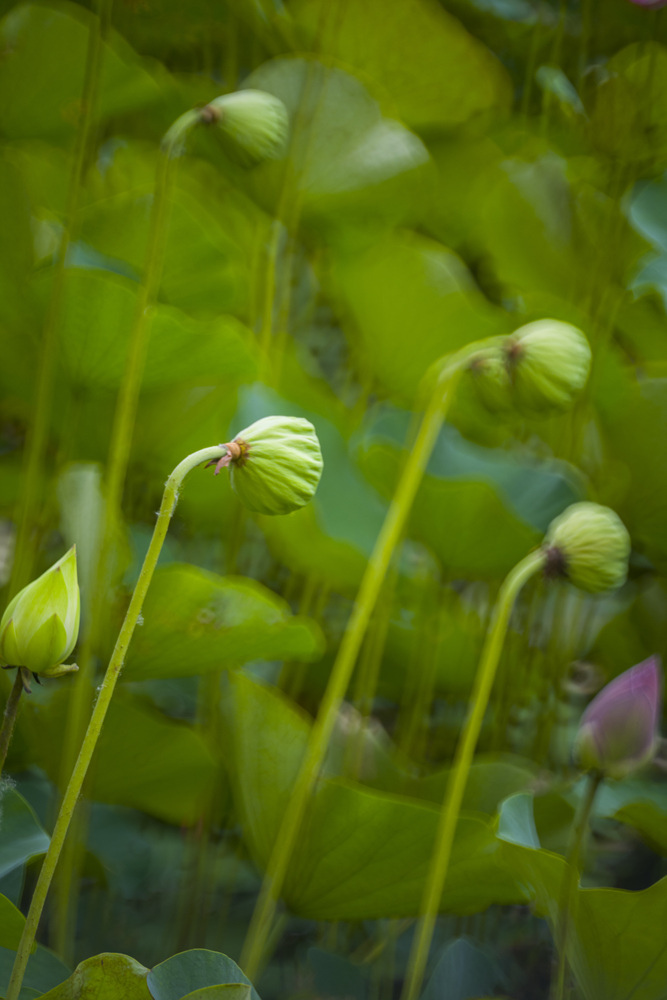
(549, 362)
(40, 625)
(618, 732)
(650, 4)
(256, 122)
(274, 465)
(590, 545)
(537, 369)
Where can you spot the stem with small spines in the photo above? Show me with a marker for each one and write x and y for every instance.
(73, 790)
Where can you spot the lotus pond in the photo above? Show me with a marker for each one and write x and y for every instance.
(333, 507)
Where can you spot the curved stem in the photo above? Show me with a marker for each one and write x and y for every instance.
(570, 879)
(390, 533)
(120, 447)
(169, 501)
(9, 717)
(451, 806)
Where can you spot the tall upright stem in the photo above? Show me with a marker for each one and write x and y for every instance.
(120, 446)
(570, 879)
(9, 717)
(451, 806)
(390, 533)
(169, 501)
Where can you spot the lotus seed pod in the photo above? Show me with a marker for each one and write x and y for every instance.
(256, 122)
(275, 464)
(618, 732)
(40, 625)
(589, 545)
(548, 364)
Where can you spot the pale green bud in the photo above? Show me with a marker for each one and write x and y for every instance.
(40, 625)
(589, 545)
(275, 464)
(548, 363)
(256, 122)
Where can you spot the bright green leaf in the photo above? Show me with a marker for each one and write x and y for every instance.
(22, 836)
(104, 977)
(192, 971)
(11, 924)
(197, 622)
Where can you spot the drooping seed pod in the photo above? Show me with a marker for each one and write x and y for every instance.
(275, 464)
(538, 369)
(548, 363)
(257, 123)
(590, 545)
(40, 625)
(618, 732)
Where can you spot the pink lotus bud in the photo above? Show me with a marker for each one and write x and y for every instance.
(650, 4)
(618, 731)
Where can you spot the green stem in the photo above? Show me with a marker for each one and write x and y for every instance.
(529, 74)
(9, 717)
(451, 806)
(119, 453)
(570, 879)
(37, 439)
(390, 533)
(169, 501)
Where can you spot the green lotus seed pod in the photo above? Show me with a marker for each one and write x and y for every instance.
(40, 625)
(589, 545)
(256, 122)
(548, 363)
(275, 464)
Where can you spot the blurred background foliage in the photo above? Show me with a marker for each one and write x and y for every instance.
(455, 169)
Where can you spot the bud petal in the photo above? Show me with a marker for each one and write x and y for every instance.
(40, 625)
(275, 464)
(589, 545)
(618, 732)
(256, 122)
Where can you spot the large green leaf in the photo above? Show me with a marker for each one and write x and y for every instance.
(362, 854)
(197, 622)
(191, 972)
(205, 268)
(22, 836)
(104, 977)
(229, 991)
(98, 315)
(143, 760)
(613, 947)
(154, 764)
(11, 924)
(37, 101)
(435, 72)
(44, 971)
(634, 418)
(346, 161)
(365, 855)
(408, 301)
